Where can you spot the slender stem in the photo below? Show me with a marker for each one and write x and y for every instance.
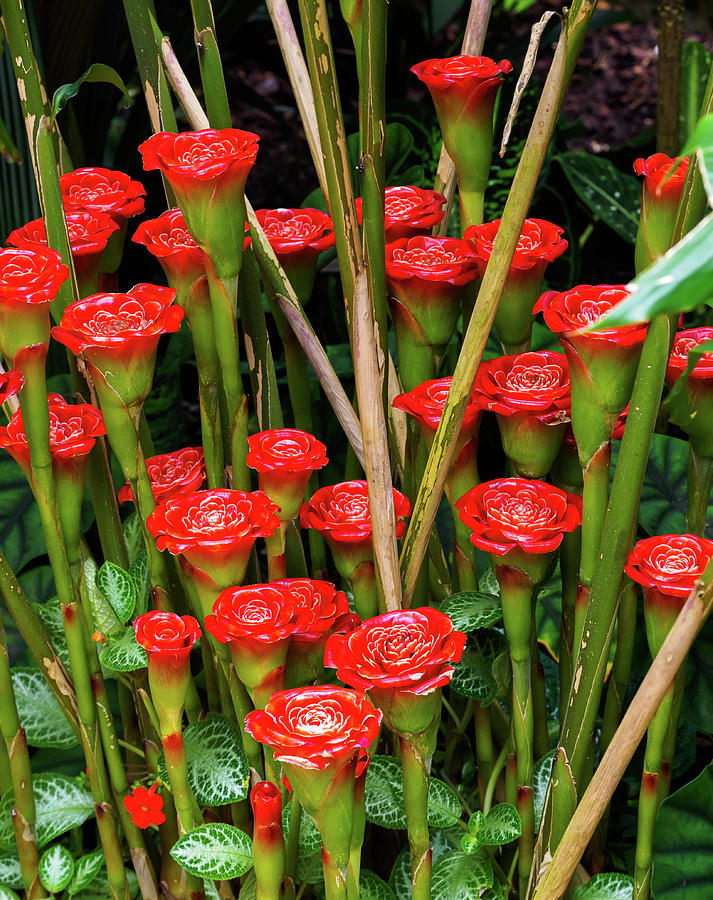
(335, 885)
(415, 779)
(293, 838)
(491, 289)
(24, 814)
(621, 669)
(106, 510)
(569, 571)
(177, 765)
(216, 97)
(275, 545)
(669, 14)
(500, 764)
(484, 746)
(699, 482)
(366, 594)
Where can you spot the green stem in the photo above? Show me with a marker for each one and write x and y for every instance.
(106, 510)
(462, 477)
(416, 771)
(366, 594)
(621, 669)
(699, 481)
(569, 571)
(491, 289)
(275, 545)
(177, 766)
(293, 839)
(214, 93)
(335, 885)
(24, 814)
(484, 746)
(153, 79)
(670, 742)
(242, 704)
(295, 554)
(500, 764)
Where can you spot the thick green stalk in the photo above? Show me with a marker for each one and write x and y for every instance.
(578, 726)
(243, 706)
(106, 510)
(24, 815)
(275, 545)
(177, 766)
(569, 570)
(484, 746)
(292, 847)
(621, 669)
(416, 771)
(491, 289)
(216, 97)
(699, 481)
(335, 885)
(462, 477)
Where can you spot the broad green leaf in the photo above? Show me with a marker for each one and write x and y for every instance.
(309, 868)
(489, 583)
(105, 619)
(470, 610)
(119, 589)
(248, 886)
(139, 571)
(384, 797)
(51, 616)
(62, 804)
(698, 695)
(678, 282)
(460, 875)
(696, 63)
(214, 851)
(683, 842)
(610, 194)
(606, 886)
(20, 528)
(700, 143)
(476, 675)
(310, 840)
(218, 770)
(40, 715)
(97, 72)
(501, 825)
(10, 874)
(86, 870)
(371, 887)
(400, 876)
(99, 888)
(55, 868)
(124, 653)
(133, 536)
(540, 782)
(7, 894)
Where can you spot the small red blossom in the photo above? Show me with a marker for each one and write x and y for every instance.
(145, 806)
(685, 341)
(510, 513)
(425, 403)
(572, 310)
(284, 459)
(473, 80)
(534, 383)
(201, 156)
(313, 728)
(255, 614)
(663, 175)
(88, 232)
(30, 276)
(172, 474)
(539, 243)
(11, 383)
(341, 512)
(404, 651)
(169, 240)
(321, 608)
(408, 211)
(423, 260)
(162, 633)
(303, 232)
(670, 563)
(102, 190)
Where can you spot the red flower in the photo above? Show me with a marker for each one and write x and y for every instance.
(423, 261)
(304, 232)
(169, 240)
(266, 803)
(405, 651)
(101, 190)
(409, 211)
(172, 474)
(314, 727)
(73, 430)
(166, 634)
(425, 403)
(341, 512)
(471, 80)
(214, 530)
(256, 615)
(539, 243)
(534, 383)
(580, 306)
(670, 563)
(510, 513)
(145, 806)
(319, 605)
(285, 459)
(224, 156)
(683, 342)
(655, 170)
(11, 383)
(118, 335)
(88, 234)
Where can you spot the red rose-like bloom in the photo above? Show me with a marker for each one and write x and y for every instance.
(655, 170)
(314, 727)
(266, 803)
(434, 260)
(539, 243)
(214, 530)
(88, 234)
(671, 563)
(425, 403)
(101, 190)
(73, 430)
(581, 306)
(166, 634)
(320, 606)
(145, 806)
(470, 78)
(29, 281)
(511, 513)
(341, 512)
(262, 614)
(407, 650)
(409, 211)
(533, 383)
(683, 342)
(172, 474)
(118, 335)
(304, 232)
(285, 459)
(225, 155)
(169, 240)
(11, 383)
